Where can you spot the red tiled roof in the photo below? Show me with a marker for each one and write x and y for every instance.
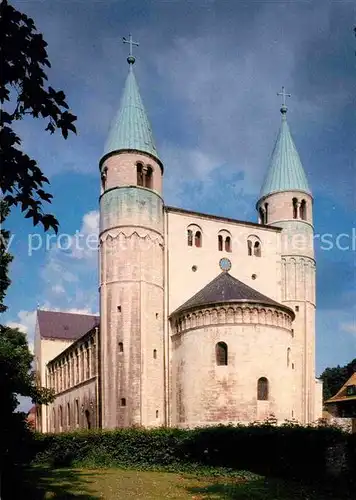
(65, 326)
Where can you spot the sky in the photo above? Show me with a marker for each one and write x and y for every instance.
(208, 73)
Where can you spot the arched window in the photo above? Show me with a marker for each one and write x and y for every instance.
(103, 177)
(87, 362)
(198, 239)
(68, 414)
(139, 168)
(227, 244)
(123, 401)
(266, 213)
(87, 419)
(295, 208)
(77, 366)
(77, 411)
(254, 246)
(288, 356)
(224, 241)
(148, 177)
(190, 238)
(303, 210)
(60, 410)
(154, 353)
(195, 235)
(221, 353)
(121, 347)
(262, 389)
(54, 419)
(257, 249)
(262, 215)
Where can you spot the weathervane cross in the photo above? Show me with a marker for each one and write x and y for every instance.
(284, 95)
(131, 42)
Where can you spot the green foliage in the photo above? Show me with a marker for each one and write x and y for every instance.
(334, 378)
(287, 451)
(24, 92)
(17, 378)
(5, 257)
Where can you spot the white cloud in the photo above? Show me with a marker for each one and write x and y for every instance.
(47, 306)
(85, 243)
(70, 271)
(58, 289)
(25, 322)
(349, 327)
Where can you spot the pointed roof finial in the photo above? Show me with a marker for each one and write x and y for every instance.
(130, 129)
(285, 171)
(284, 105)
(131, 58)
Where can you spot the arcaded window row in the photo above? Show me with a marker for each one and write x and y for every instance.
(144, 175)
(224, 241)
(74, 368)
(299, 211)
(68, 416)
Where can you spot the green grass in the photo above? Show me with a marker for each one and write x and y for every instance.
(86, 484)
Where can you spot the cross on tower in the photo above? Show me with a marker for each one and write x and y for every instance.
(284, 95)
(131, 58)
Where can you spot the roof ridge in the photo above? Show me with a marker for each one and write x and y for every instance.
(67, 312)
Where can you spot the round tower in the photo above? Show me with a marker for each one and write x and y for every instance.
(286, 201)
(131, 269)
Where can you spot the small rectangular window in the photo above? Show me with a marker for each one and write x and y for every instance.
(351, 390)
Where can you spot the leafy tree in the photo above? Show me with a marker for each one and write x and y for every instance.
(5, 257)
(17, 378)
(334, 378)
(23, 92)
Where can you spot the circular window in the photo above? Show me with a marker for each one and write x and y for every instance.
(194, 268)
(225, 264)
(254, 276)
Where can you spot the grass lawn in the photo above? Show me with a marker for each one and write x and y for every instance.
(110, 484)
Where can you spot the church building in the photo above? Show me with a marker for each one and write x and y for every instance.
(204, 319)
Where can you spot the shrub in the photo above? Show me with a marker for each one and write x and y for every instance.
(288, 451)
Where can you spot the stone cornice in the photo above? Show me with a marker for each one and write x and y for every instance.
(128, 231)
(203, 216)
(233, 314)
(83, 383)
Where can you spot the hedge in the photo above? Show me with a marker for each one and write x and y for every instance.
(288, 451)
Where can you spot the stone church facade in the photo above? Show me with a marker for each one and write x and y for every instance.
(203, 319)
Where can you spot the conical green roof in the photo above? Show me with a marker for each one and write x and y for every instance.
(285, 172)
(131, 128)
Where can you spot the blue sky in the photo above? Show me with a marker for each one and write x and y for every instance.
(208, 73)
